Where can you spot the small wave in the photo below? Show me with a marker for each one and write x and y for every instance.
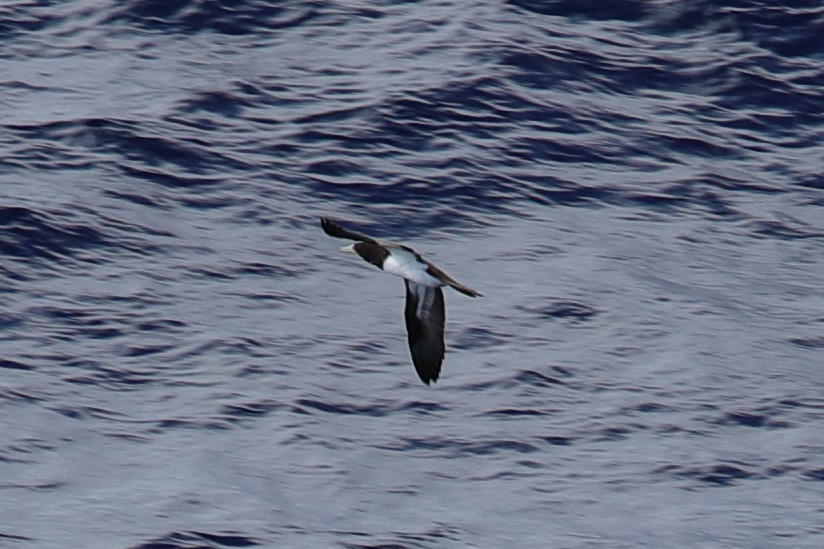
(184, 540)
(721, 474)
(563, 310)
(31, 234)
(379, 409)
(459, 448)
(809, 342)
(190, 17)
(14, 365)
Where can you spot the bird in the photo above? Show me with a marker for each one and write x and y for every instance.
(424, 311)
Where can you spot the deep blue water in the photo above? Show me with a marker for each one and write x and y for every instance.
(636, 187)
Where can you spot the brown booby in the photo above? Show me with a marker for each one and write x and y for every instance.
(424, 311)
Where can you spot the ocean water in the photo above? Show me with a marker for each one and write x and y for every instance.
(636, 187)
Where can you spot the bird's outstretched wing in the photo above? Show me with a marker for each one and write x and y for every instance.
(446, 279)
(330, 228)
(425, 319)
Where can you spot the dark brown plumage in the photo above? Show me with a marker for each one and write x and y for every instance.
(425, 331)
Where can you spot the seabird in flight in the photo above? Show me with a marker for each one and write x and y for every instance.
(424, 299)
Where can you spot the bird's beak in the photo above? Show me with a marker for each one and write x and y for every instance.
(350, 248)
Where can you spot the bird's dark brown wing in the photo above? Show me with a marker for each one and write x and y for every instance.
(425, 318)
(330, 228)
(446, 279)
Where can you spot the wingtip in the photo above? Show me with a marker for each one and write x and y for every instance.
(428, 382)
(466, 290)
(327, 225)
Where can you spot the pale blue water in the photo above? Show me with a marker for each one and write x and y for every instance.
(186, 360)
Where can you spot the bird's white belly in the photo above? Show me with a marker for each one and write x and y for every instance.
(402, 263)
